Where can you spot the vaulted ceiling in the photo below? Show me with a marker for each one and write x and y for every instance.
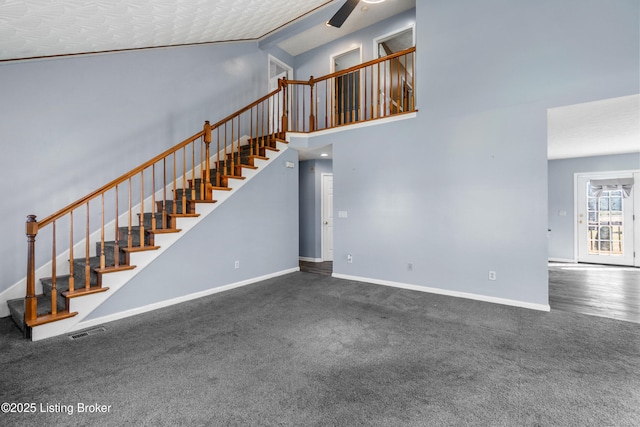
(44, 28)
(39, 28)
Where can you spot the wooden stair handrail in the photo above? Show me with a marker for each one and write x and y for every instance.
(313, 81)
(148, 163)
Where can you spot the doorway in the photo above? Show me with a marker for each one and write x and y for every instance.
(327, 216)
(396, 74)
(605, 225)
(277, 71)
(346, 87)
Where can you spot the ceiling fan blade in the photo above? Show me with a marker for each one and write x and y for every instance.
(343, 13)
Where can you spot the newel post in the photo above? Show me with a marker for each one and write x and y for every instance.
(312, 117)
(207, 174)
(30, 305)
(285, 106)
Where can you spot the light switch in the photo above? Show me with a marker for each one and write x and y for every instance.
(342, 214)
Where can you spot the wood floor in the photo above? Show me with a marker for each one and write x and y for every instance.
(597, 290)
(324, 268)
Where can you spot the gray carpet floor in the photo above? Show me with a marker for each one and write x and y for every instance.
(311, 350)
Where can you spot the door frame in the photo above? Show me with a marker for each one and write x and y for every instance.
(322, 227)
(392, 34)
(273, 60)
(289, 70)
(635, 174)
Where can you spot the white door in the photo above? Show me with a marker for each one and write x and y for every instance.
(327, 217)
(605, 223)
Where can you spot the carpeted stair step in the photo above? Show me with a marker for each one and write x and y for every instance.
(16, 308)
(123, 233)
(148, 217)
(109, 252)
(79, 271)
(174, 208)
(62, 285)
(189, 193)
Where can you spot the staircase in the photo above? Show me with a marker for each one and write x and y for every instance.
(116, 260)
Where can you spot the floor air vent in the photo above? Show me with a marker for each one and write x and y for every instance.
(87, 332)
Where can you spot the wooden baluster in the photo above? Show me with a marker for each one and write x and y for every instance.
(141, 220)
(364, 105)
(378, 100)
(153, 198)
(413, 82)
(164, 192)
(207, 143)
(201, 165)
(102, 255)
(355, 76)
(193, 171)
(218, 160)
(312, 116)
(129, 232)
(54, 279)
(262, 133)
(31, 302)
(116, 248)
(405, 92)
(399, 99)
(252, 147)
(87, 248)
(386, 95)
(371, 101)
(233, 162)
(304, 113)
(72, 279)
(224, 157)
(326, 104)
(184, 180)
(285, 106)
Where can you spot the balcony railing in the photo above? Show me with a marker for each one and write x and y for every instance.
(373, 90)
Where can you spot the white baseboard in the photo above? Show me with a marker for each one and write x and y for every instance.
(457, 294)
(162, 304)
(306, 259)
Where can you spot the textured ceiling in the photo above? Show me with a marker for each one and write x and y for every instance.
(610, 126)
(40, 28)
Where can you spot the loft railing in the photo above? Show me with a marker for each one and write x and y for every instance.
(373, 90)
(191, 170)
(155, 192)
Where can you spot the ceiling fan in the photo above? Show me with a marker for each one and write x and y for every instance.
(343, 13)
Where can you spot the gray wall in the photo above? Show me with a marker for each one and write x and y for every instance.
(257, 226)
(466, 190)
(561, 196)
(310, 204)
(70, 125)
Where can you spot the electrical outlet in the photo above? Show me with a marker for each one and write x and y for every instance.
(492, 275)
(237, 264)
(349, 258)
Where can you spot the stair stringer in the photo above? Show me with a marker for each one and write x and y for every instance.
(85, 305)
